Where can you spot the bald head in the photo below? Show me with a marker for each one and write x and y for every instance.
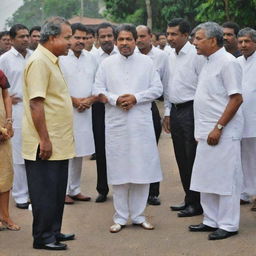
(144, 40)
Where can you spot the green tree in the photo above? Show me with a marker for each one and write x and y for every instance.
(195, 11)
(240, 11)
(162, 11)
(29, 14)
(34, 12)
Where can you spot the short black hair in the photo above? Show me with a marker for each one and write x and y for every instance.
(78, 26)
(90, 31)
(160, 34)
(35, 28)
(232, 25)
(129, 28)
(15, 28)
(4, 33)
(105, 25)
(184, 26)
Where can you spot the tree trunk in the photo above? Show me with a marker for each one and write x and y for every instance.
(149, 13)
(227, 9)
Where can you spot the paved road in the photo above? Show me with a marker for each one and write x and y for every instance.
(91, 222)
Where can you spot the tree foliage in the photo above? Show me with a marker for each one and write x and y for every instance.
(34, 12)
(240, 11)
(195, 11)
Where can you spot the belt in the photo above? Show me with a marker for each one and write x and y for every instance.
(183, 105)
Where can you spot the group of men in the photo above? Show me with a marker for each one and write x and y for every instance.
(102, 100)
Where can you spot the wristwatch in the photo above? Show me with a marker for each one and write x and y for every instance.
(220, 127)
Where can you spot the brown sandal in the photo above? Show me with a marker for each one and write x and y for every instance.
(10, 226)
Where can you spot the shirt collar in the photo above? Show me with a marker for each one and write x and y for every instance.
(71, 53)
(216, 54)
(186, 48)
(131, 57)
(16, 53)
(48, 54)
(114, 51)
(253, 56)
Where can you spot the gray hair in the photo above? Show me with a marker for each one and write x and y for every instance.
(212, 29)
(248, 32)
(52, 27)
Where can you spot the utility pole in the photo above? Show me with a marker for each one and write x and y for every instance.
(82, 8)
(149, 13)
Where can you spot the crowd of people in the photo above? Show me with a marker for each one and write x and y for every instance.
(68, 91)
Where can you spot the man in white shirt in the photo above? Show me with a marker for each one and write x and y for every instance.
(34, 37)
(163, 43)
(5, 42)
(90, 40)
(160, 61)
(130, 83)
(79, 68)
(247, 46)
(217, 170)
(106, 38)
(12, 63)
(230, 31)
(185, 66)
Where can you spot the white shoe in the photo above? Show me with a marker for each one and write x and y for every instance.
(115, 228)
(147, 225)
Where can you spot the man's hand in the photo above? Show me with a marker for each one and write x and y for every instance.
(45, 149)
(102, 98)
(75, 102)
(214, 137)
(85, 103)
(126, 101)
(166, 124)
(15, 100)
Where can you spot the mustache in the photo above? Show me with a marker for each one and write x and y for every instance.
(80, 44)
(107, 43)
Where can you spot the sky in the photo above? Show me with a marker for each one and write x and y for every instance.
(8, 7)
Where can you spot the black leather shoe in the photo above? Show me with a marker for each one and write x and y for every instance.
(65, 237)
(178, 207)
(55, 246)
(154, 200)
(101, 198)
(22, 206)
(93, 156)
(190, 211)
(221, 234)
(243, 202)
(201, 228)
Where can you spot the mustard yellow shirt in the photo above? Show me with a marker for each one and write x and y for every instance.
(43, 78)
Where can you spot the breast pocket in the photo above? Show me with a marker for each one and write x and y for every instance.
(215, 85)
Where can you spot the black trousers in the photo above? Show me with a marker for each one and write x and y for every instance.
(154, 187)
(98, 125)
(47, 182)
(182, 131)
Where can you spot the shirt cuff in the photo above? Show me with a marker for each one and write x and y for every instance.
(112, 99)
(167, 112)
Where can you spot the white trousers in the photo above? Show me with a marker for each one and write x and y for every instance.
(130, 200)
(74, 176)
(248, 155)
(221, 211)
(20, 184)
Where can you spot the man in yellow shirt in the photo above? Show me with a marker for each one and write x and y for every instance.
(48, 134)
